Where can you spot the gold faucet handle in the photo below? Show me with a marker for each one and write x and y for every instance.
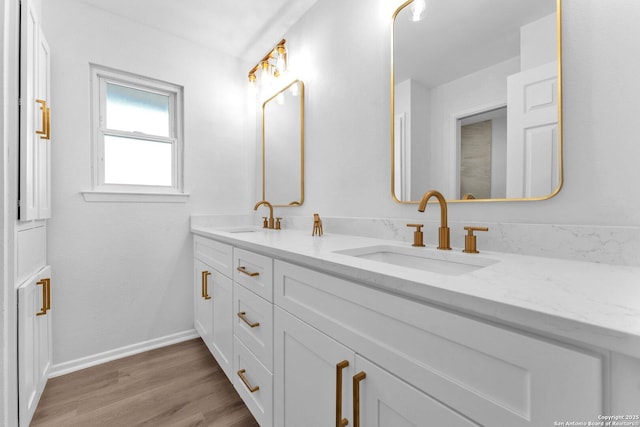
(278, 227)
(470, 241)
(265, 222)
(418, 235)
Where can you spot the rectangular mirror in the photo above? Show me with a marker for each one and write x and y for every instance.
(283, 146)
(476, 100)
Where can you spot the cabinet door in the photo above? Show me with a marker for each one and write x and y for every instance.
(203, 303)
(35, 151)
(221, 291)
(384, 400)
(34, 342)
(307, 389)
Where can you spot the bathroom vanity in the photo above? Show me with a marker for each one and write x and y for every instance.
(343, 330)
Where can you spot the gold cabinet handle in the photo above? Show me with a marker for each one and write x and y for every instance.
(202, 283)
(43, 109)
(251, 388)
(48, 127)
(340, 422)
(243, 269)
(43, 310)
(48, 285)
(242, 315)
(356, 397)
(205, 285)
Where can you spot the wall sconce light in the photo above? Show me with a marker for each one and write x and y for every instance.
(272, 66)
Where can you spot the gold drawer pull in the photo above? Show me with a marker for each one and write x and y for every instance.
(251, 388)
(340, 422)
(43, 310)
(243, 316)
(356, 397)
(243, 269)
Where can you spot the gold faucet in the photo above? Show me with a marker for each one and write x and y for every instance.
(267, 204)
(443, 231)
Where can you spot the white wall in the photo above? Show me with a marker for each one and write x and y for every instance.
(538, 42)
(475, 93)
(348, 118)
(123, 271)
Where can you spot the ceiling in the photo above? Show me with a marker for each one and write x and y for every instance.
(246, 29)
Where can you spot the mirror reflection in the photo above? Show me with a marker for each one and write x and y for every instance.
(283, 146)
(475, 97)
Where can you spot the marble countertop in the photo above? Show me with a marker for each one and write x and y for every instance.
(582, 302)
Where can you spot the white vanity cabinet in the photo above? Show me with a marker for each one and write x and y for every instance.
(34, 341)
(253, 332)
(455, 369)
(213, 302)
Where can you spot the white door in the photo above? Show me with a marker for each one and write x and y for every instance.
(387, 401)
(532, 132)
(31, 115)
(35, 118)
(203, 303)
(220, 289)
(43, 143)
(34, 342)
(312, 375)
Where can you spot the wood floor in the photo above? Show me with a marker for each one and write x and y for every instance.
(179, 385)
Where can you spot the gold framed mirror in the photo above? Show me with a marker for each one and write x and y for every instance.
(283, 146)
(476, 100)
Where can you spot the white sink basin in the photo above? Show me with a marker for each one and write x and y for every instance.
(433, 260)
(241, 229)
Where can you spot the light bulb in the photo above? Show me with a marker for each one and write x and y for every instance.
(418, 10)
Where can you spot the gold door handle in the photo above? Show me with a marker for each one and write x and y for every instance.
(242, 315)
(356, 397)
(43, 109)
(340, 422)
(251, 388)
(43, 310)
(243, 269)
(205, 280)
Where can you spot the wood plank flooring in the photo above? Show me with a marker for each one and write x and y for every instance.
(178, 385)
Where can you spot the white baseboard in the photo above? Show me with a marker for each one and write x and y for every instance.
(119, 353)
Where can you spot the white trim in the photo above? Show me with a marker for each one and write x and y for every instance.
(124, 196)
(119, 353)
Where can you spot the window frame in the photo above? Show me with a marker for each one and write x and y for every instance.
(100, 77)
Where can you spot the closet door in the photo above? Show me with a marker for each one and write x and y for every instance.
(43, 156)
(35, 118)
(34, 341)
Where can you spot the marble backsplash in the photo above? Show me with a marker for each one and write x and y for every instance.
(602, 244)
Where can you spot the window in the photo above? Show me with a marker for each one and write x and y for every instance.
(137, 132)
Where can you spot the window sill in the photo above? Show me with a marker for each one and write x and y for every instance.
(133, 197)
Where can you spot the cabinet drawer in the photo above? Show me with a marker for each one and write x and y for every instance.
(215, 254)
(492, 375)
(257, 377)
(253, 324)
(253, 271)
